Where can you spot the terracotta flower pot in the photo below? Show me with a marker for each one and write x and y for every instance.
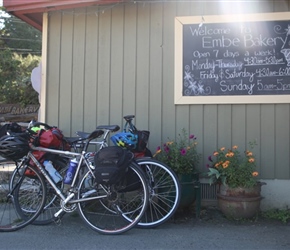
(239, 203)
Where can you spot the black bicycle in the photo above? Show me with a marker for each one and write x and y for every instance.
(163, 183)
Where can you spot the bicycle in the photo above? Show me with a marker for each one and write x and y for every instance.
(164, 185)
(61, 165)
(10, 220)
(108, 208)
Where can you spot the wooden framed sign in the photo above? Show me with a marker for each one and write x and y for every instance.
(232, 59)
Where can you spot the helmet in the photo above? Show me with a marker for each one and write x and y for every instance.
(13, 147)
(35, 129)
(125, 140)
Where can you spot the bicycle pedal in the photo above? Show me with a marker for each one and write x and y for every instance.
(57, 221)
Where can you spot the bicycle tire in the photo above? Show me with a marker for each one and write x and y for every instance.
(52, 204)
(10, 218)
(120, 209)
(164, 192)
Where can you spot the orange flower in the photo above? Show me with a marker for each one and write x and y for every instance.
(249, 153)
(169, 142)
(215, 153)
(235, 147)
(230, 154)
(223, 148)
(157, 152)
(218, 164)
(255, 173)
(251, 160)
(226, 164)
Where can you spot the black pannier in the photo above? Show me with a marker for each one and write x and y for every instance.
(143, 137)
(111, 164)
(10, 127)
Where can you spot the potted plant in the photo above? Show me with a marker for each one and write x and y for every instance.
(239, 190)
(182, 157)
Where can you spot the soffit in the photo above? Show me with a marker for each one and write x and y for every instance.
(31, 11)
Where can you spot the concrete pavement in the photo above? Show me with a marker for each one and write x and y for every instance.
(209, 232)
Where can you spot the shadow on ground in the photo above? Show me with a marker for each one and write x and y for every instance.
(213, 215)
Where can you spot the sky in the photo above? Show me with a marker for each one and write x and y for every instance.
(1, 4)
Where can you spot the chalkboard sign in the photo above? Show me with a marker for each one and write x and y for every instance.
(248, 58)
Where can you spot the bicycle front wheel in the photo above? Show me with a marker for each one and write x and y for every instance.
(114, 209)
(164, 192)
(52, 204)
(12, 217)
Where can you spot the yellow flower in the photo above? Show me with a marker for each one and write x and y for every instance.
(235, 147)
(251, 160)
(169, 142)
(255, 173)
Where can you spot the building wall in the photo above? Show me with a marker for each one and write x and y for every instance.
(109, 61)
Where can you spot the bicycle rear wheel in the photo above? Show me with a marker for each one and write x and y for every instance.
(114, 209)
(164, 192)
(11, 216)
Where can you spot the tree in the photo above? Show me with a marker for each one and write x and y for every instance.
(15, 81)
(20, 50)
(19, 36)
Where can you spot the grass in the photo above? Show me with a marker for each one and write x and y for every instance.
(282, 215)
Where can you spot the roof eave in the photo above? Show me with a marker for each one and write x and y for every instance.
(31, 11)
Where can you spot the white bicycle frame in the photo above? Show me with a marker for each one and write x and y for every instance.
(81, 157)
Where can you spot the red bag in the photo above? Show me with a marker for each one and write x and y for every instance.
(52, 138)
(39, 155)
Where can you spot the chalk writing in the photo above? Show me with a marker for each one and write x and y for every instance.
(252, 58)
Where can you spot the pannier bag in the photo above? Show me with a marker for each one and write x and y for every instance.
(111, 164)
(10, 127)
(143, 137)
(51, 138)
